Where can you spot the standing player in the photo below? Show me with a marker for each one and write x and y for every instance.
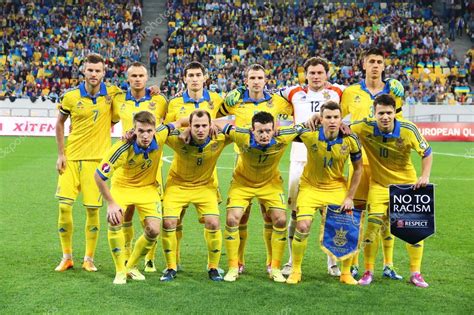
(195, 97)
(255, 99)
(307, 101)
(90, 108)
(191, 180)
(357, 100)
(135, 166)
(322, 182)
(388, 143)
(257, 175)
(139, 98)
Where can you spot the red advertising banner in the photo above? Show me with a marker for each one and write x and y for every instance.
(446, 131)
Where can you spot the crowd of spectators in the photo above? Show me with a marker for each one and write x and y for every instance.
(42, 43)
(228, 36)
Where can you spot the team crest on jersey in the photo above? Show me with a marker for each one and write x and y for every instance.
(326, 95)
(245, 148)
(105, 168)
(210, 105)
(214, 146)
(400, 143)
(182, 110)
(270, 103)
(108, 99)
(344, 149)
(314, 147)
(122, 108)
(79, 105)
(152, 106)
(340, 238)
(357, 99)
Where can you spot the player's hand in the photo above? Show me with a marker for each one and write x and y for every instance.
(422, 182)
(179, 93)
(61, 164)
(313, 122)
(114, 214)
(213, 131)
(345, 129)
(129, 136)
(185, 136)
(234, 96)
(396, 87)
(154, 90)
(347, 204)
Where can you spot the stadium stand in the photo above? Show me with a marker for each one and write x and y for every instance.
(42, 43)
(228, 36)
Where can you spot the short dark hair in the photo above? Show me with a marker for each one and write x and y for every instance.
(373, 51)
(194, 65)
(145, 118)
(199, 113)
(263, 118)
(386, 100)
(254, 67)
(94, 58)
(314, 61)
(331, 105)
(136, 64)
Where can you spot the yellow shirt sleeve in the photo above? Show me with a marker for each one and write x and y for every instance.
(115, 158)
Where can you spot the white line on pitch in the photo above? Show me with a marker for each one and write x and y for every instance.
(467, 156)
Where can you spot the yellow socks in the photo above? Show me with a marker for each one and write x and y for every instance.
(142, 246)
(371, 241)
(388, 242)
(415, 252)
(65, 227)
(300, 241)
(179, 237)
(346, 276)
(128, 233)
(214, 247)
(151, 253)
(243, 235)
(278, 242)
(267, 237)
(92, 230)
(117, 246)
(232, 241)
(168, 239)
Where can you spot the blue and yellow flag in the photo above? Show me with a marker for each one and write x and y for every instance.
(340, 234)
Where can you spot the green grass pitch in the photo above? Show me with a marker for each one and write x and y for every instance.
(30, 250)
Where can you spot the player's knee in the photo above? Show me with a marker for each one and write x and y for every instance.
(303, 226)
(212, 223)
(169, 224)
(279, 220)
(152, 228)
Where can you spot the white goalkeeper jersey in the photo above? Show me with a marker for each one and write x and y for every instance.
(305, 103)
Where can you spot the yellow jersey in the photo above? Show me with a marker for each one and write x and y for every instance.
(358, 101)
(183, 106)
(127, 106)
(91, 121)
(193, 165)
(389, 154)
(324, 168)
(245, 108)
(257, 165)
(134, 166)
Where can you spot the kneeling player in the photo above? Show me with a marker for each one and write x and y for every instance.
(388, 143)
(323, 183)
(134, 184)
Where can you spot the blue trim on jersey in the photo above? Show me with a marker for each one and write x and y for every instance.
(394, 134)
(101, 175)
(427, 152)
(84, 93)
(255, 145)
(130, 97)
(138, 150)
(247, 99)
(330, 143)
(227, 128)
(200, 146)
(205, 97)
(356, 156)
(386, 89)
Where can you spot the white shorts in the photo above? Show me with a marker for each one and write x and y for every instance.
(296, 169)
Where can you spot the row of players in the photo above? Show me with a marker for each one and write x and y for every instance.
(93, 105)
